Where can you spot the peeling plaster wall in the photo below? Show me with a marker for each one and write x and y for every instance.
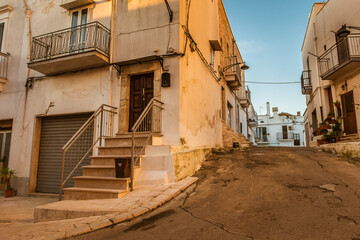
(200, 93)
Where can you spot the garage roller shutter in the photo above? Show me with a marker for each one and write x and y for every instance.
(55, 133)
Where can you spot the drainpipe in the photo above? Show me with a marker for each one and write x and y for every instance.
(28, 15)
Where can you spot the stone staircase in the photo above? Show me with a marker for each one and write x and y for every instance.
(230, 136)
(99, 179)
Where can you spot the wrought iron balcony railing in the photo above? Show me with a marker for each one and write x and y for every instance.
(79, 39)
(286, 136)
(4, 61)
(339, 55)
(235, 68)
(306, 86)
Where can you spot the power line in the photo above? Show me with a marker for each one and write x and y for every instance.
(272, 82)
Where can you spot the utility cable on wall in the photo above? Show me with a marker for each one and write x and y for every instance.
(272, 82)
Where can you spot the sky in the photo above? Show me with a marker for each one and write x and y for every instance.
(269, 35)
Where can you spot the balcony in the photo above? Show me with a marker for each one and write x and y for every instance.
(306, 86)
(72, 49)
(342, 59)
(284, 137)
(233, 73)
(245, 98)
(4, 60)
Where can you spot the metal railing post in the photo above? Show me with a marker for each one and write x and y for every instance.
(62, 175)
(101, 124)
(132, 161)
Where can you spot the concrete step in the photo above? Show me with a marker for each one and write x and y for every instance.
(99, 171)
(105, 171)
(92, 193)
(102, 182)
(107, 160)
(122, 141)
(147, 178)
(116, 150)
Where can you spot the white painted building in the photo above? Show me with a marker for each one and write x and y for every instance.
(280, 129)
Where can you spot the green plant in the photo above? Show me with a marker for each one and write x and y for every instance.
(6, 175)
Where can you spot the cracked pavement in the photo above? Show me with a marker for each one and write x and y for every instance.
(261, 193)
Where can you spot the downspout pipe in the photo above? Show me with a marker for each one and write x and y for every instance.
(27, 12)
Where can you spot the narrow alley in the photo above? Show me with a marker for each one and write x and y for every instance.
(260, 193)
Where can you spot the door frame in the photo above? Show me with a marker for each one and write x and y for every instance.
(124, 101)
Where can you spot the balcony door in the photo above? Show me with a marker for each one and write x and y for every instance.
(285, 132)
(343, 49)
(349, 113)
(5, 138)
(78, 34)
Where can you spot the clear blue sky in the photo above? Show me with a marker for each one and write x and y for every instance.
(270, 35)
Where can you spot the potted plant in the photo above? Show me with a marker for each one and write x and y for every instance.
(337, 104)
(6, 175)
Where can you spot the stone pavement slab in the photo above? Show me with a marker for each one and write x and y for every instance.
(89, 215)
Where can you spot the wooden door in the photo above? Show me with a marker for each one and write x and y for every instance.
(349, 113)
(141, 93)
(285, 132)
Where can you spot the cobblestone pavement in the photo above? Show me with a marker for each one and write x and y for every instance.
(262, 193)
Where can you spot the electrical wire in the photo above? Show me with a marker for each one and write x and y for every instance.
(272, 82)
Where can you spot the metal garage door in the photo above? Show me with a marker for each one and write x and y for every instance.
(55, 133)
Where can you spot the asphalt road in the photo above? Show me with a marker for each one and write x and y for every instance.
(261, 193)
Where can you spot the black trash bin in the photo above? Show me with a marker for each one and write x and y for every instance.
(122, 167)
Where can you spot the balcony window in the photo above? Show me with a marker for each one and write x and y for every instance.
(306, 86)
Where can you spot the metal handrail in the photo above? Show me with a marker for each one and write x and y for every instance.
(102, 119)
(145, 126)
(338, 54)
(77, 39)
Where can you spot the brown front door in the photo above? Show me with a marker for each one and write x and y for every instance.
(349, 113)
(285, 132)
(141, 93)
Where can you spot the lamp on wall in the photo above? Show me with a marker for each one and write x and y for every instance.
(243, 67)
(344, 32)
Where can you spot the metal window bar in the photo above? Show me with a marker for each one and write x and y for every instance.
(80, 147)
(339, 53)
(148, 124)
(82, 38)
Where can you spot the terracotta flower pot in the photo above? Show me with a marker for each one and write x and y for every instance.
(9, 193)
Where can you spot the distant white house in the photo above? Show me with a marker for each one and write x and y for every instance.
(280, 129)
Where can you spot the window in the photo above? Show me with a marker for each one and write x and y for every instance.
(229, 110)
(261, 134)
(2, 26)
(78, 35)
(314, 120)
(212, 57)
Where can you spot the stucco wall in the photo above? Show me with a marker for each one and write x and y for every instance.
(319, 37)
